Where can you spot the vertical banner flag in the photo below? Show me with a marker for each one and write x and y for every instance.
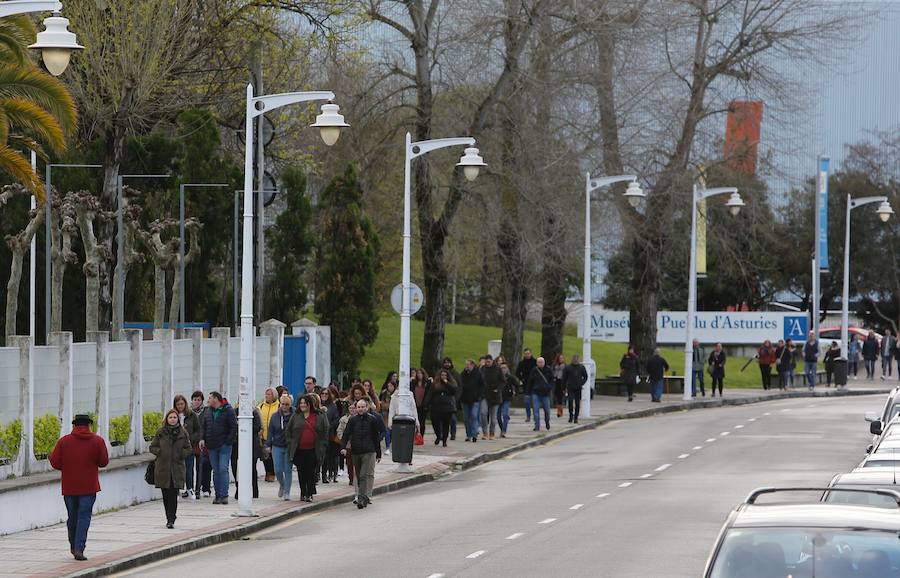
(822, 202)
(701, 226)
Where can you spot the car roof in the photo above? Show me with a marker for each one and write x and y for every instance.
(883, 460)
(816, 515)
(888, 444)
(866, 477)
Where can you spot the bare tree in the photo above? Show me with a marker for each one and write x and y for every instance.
(61, 233)
(192, 228)
(19, 244)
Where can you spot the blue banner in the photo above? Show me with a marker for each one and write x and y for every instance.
(822, 201)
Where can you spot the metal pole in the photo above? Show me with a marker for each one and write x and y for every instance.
(586, 354)
(845, 292)
(48, 250)
(181, 255)
(815, 300)
(407, 239)
(120, 261)
(692, 304)
(234, 262)
(245, 411)
(32, 263)
(260, 201)
(817, 253)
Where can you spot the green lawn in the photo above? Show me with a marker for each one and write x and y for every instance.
(472, 340)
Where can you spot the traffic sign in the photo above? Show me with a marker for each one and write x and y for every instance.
(416, 298)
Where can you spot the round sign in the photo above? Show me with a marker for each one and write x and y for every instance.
(416, 298)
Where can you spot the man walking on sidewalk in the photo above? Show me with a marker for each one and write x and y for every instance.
(574, 378)
(811, 359)
(472, 387)
(79, 455)
(698, 357)
(657, 367)
(363, 436)
(888, 344)
(523, 370)
(219, 426)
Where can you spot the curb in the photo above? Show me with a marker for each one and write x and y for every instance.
(420, 478)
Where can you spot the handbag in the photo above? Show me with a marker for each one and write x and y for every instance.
(150, 473)
(419, 439)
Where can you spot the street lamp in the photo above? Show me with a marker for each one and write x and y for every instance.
(633, 195)
(884, 213)
(56, 43)
(329, 123)
(181, 242)
(734, 204)
(48, 241)
(471, 163)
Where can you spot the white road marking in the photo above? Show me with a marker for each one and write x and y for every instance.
(516, 535)
(475, 554)
(645, 476)
(682, 456)
(786, 409)
(739, 426)
(602, 495)
(698, 447)
(624, 484)
(725, 433)
(547, 521)
(752, 419)
(577, 507)
(435, 576)
(768, 413)
(663, 467)
(710, 440)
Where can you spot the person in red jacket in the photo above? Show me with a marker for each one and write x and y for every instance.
(765, 355)
(79, 455)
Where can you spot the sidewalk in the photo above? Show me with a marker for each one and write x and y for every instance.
(137, 535)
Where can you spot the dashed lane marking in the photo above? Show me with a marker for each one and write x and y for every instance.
(602, 495)
(624, 484)
(710, 440)
(435, 576)
(725, 433)
(768, 413)
(547, 521)
(645, 476)
(577, 507)
(682, 456)
(663, 467)
(739, 426)
(515, 536)
(475, 554)
(698, 448)
(752, 419)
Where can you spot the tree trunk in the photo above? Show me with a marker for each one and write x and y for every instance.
(553, 313)
(19, 245)
(112, 160)
(61, 255)
(91, 268)
(515, 292)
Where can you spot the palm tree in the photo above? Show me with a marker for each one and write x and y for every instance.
(36, 109)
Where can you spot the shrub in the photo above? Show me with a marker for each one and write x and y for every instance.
(119, 429)
(10, 436)
(46, 433)
(152, 422)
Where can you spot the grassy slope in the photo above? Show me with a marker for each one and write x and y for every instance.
(471, 341)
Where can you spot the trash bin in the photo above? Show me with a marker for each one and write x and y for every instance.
(840, 372)
(403, 436)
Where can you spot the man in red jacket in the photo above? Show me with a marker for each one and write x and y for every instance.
(78, 456)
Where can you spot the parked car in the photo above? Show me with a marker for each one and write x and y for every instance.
(879, 421)
(863, 479)
(834, 333)
(881, 460)
(808, 539)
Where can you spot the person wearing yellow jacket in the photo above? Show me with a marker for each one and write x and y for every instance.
(267, 409)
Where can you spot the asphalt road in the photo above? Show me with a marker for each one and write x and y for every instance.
(635, 498)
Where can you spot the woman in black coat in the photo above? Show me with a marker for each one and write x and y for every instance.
(442, 403)
(717, 368)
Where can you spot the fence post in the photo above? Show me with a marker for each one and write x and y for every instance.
(25, 458)
(195, 334)
(135, 444)
(274, 330)
(166, 338)
(222, 335)
(101, 404)
(62, 340)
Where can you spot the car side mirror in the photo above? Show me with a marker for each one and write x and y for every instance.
(875, 428)
(869, 448)
(871, 416)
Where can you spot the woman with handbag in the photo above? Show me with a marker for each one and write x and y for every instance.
(171, 446)
(629, 370)
(191, 424)
(306, 435)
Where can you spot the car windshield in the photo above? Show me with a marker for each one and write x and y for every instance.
(807, 553)
(881, 464)
(861, 499)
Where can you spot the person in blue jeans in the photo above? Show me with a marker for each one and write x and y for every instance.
(697, 369)
(508, 392)
(657, 367)
(277, 444)
(810, 359)
(523, 370)
(219, 426)
(472, 387)
(540, 382)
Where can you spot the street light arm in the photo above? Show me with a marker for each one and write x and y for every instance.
(420, 148)
(594, 184)
(262, 104)
(856, 203)
(11, 7)
(707, 193)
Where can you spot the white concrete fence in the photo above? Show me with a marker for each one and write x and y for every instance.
(126, 378)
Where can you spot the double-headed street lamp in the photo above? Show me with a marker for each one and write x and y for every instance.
(471, 163)
(634, 195)
(884, 212)
(734, 204)
(329, 122)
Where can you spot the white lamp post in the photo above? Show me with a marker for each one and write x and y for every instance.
(884, 212)
(329, 123)
(471, 163)
(734, 205)
(634, 194)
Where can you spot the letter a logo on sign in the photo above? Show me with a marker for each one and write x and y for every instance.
(795, 328)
